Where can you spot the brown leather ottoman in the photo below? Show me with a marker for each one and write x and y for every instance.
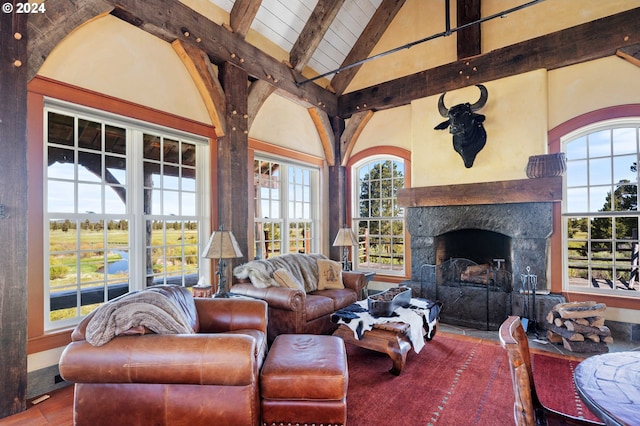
(304, 381)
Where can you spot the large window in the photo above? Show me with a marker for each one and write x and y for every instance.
(286, 204)
(378, 220)
(124, 209)
(600, 208)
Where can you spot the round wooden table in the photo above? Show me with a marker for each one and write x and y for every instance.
(609, 384)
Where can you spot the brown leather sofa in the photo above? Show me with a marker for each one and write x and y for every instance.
(296, 311)
(210, 377)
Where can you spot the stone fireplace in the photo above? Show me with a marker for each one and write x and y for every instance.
(453, 235)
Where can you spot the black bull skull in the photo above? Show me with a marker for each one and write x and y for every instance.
(469, 136)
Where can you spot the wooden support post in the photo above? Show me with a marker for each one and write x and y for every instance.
(13, 212)
(233, 170)
(337, 190)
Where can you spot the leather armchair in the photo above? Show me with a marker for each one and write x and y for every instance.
(210, 377)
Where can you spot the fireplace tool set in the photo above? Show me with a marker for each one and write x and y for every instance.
(529, 286)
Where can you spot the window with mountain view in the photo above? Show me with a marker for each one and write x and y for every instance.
(600, 209)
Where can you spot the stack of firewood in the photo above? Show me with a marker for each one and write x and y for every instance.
(579, 326)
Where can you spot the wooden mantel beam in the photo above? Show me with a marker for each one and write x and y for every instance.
(548, 189)
(585, 42)
(171, 20)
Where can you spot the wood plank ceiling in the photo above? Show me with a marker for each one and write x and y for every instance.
(322, 34)
(283, 21)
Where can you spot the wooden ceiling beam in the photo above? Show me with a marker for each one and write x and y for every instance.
(323, 126)
(585, 42)
(313, 32)
(206, 81)
(370, 36)
(469, 39)
(352, 131)
(170, 20)
(242, 15)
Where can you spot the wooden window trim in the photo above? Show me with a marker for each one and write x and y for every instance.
(37, 90)
(387, 151)
(554, 135)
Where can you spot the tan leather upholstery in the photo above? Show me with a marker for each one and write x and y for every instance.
(206, 378)
(304, 381)
(294, 311)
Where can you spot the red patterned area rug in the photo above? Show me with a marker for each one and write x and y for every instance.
(455, 380)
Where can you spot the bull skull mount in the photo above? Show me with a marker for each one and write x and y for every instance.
(469, 136)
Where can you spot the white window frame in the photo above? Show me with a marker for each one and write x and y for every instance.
(284, 218)
(135, 203)
(607, 125)
(355, 208)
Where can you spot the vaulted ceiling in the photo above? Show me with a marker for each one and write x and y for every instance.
(322, 35)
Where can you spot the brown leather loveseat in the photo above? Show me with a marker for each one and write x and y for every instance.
(208, 377)
(303, 306)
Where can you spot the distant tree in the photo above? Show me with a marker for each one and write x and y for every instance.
(378, 195)
(624, 198)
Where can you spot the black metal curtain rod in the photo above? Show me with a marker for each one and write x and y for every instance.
(445, 33)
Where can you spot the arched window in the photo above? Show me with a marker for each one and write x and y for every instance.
(600, 208)
(377, 218)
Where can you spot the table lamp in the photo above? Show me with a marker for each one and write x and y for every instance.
(222, 245)
(346, 238)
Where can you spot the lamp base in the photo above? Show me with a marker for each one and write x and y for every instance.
(221, 295)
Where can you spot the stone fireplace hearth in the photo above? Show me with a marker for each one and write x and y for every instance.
(505, 236)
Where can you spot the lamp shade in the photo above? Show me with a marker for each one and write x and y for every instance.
(345, 237)
(222, 245)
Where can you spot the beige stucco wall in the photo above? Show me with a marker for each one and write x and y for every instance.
(287, 124)
(112, 57)
(516, 126)
(590, 86)
(391, 127)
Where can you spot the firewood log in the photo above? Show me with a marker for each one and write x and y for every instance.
(553, 337)
(593, 337)
(578, 328)
(567, 334)
(585, 346)
(552, 315)
(582, 309)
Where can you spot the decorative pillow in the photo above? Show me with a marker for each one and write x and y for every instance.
(285, 279)
(330, 274)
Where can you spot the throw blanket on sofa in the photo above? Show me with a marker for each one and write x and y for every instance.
(303, 267)
(149, 309)
(422, 316)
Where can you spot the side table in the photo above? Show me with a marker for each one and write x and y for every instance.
(202, 290)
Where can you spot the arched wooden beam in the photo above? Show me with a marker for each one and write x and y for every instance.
(201, 71)
(323, 126)
(259, 91)
(354, 127)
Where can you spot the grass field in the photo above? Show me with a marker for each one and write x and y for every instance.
(172, 253)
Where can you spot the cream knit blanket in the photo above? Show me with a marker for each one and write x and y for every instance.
(150, 309)
(303, 267)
